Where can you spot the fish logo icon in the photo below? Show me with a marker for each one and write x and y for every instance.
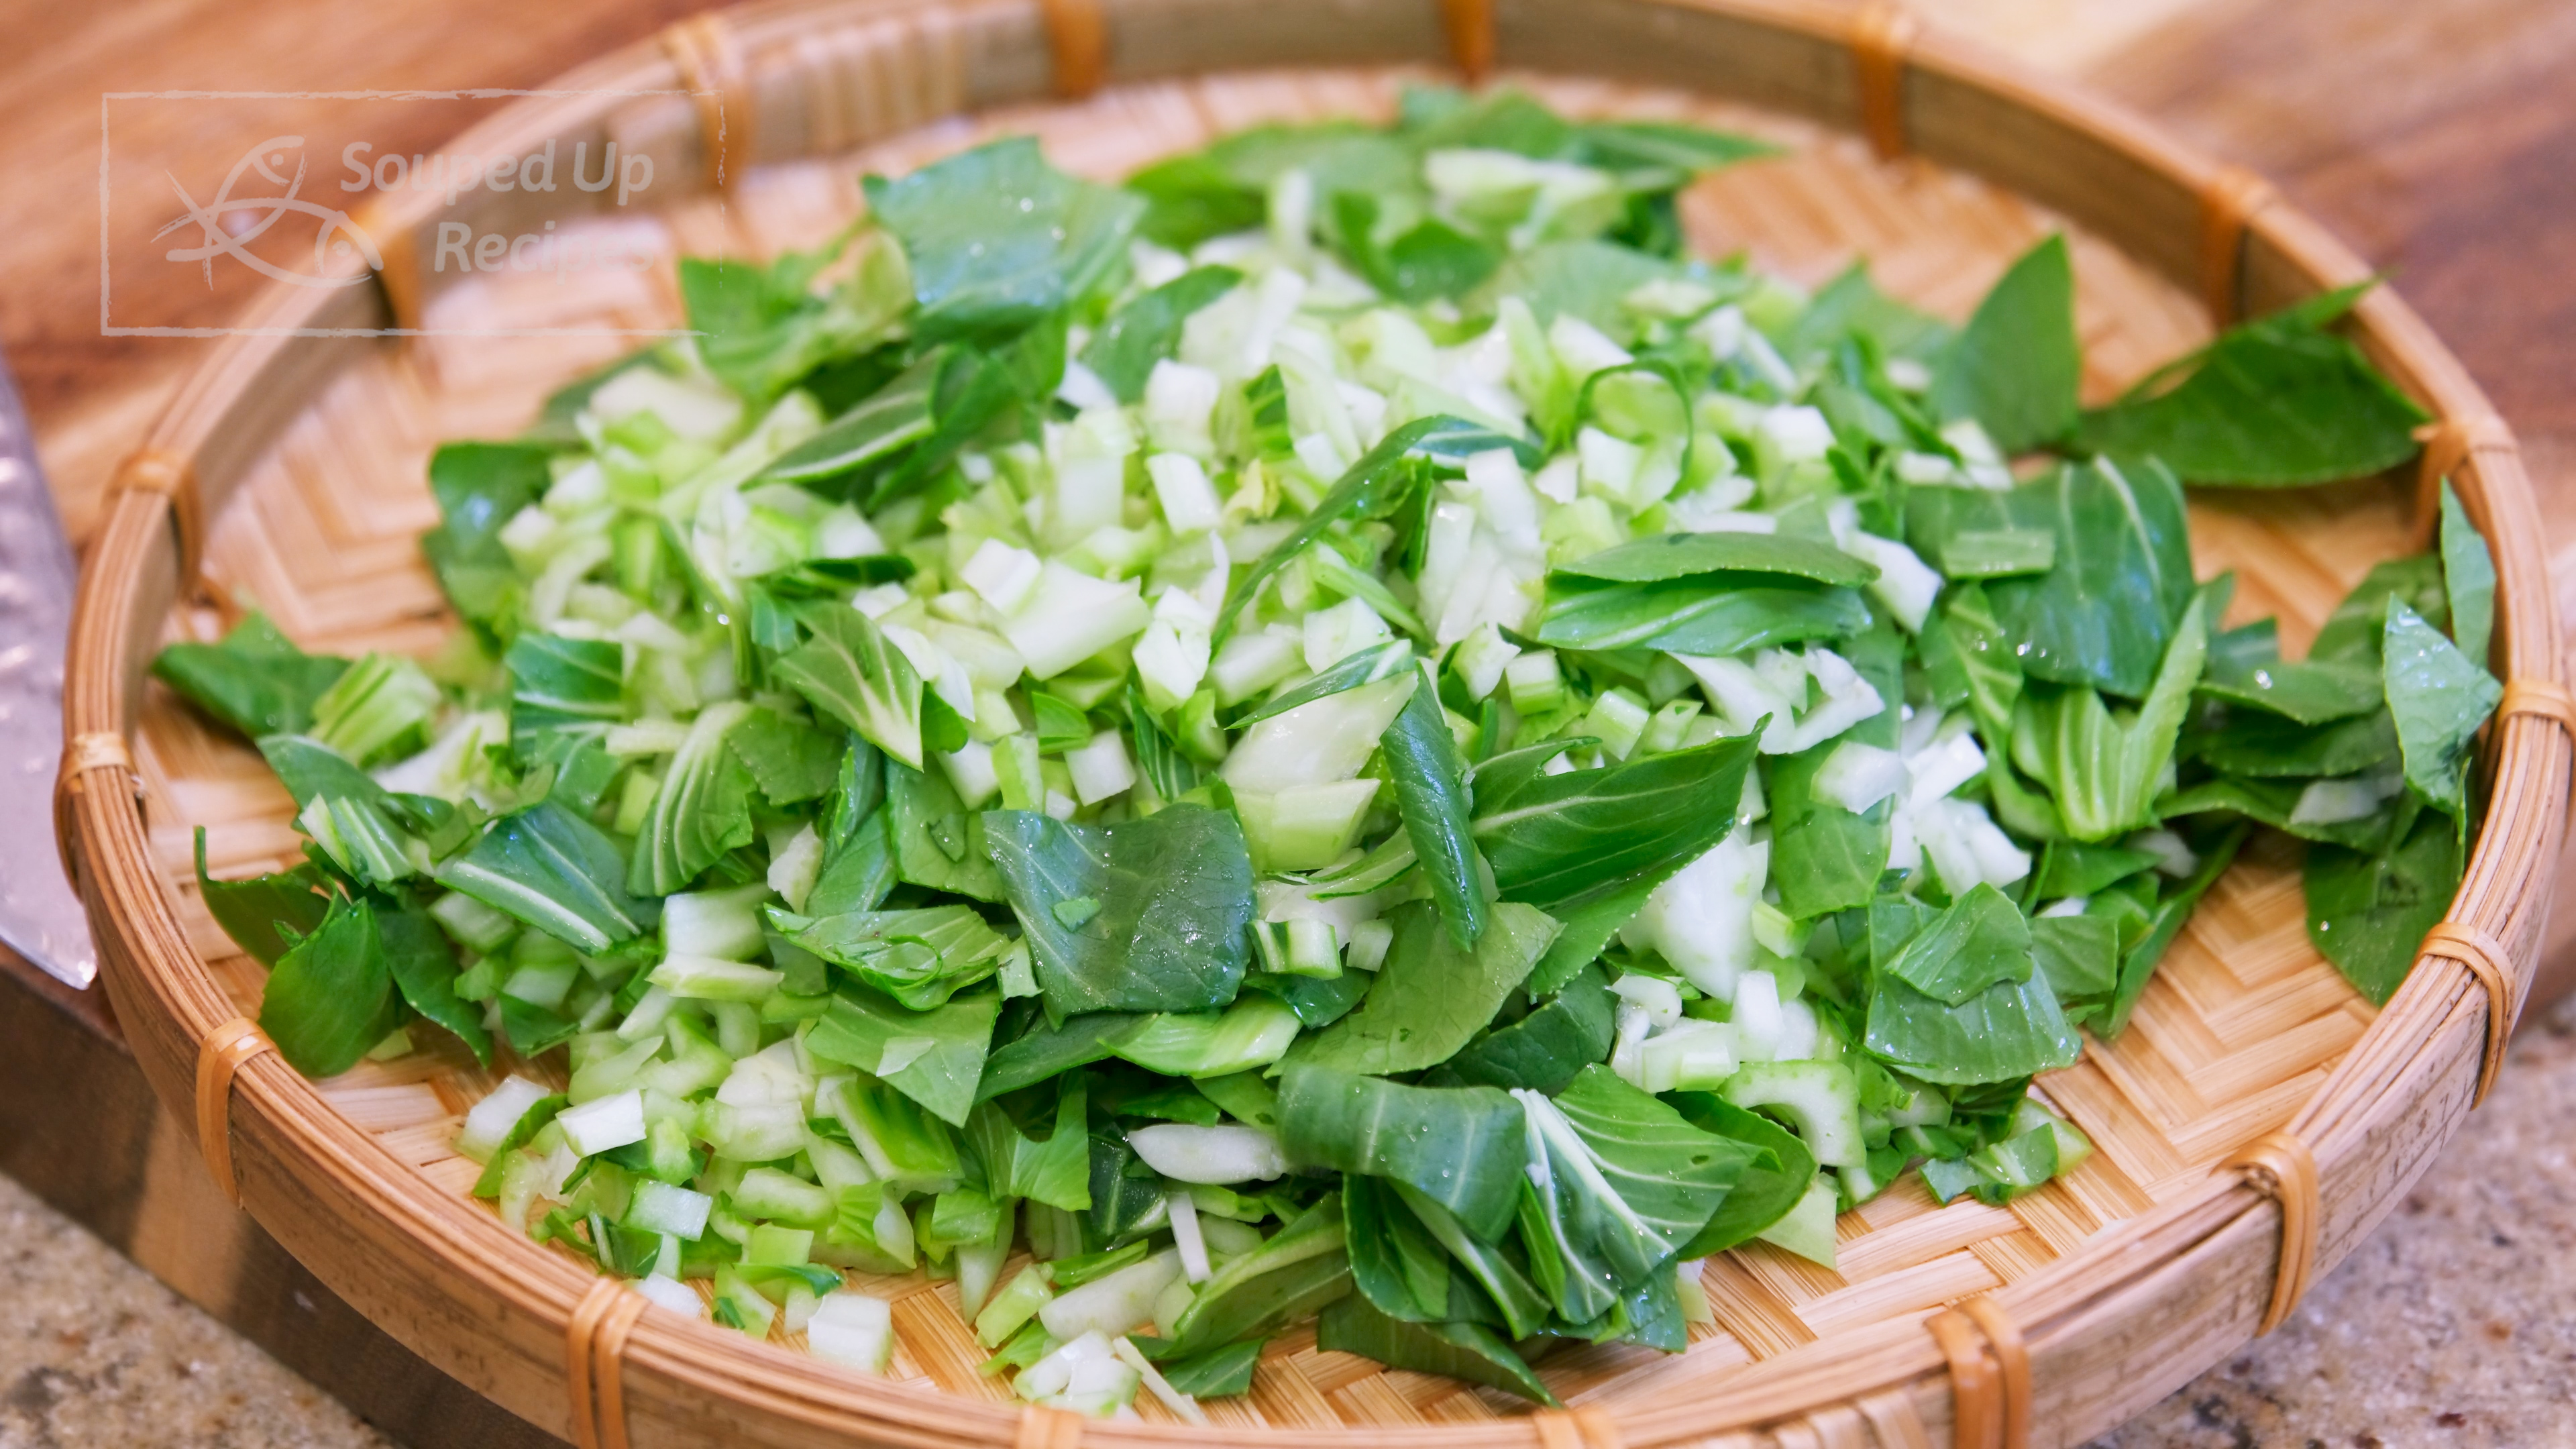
(336, 236)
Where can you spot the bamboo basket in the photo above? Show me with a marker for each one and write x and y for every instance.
(2254, 1123)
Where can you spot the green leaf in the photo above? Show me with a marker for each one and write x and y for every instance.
(790, 761)
(424, 968)
(2016, 366)
(1561, 838)
(862, 1023)
(2080, 955)
(1380, 483)
(330, 998)
(1424, 261)
(1664, 145)
(549, 868)
(1825, 858)
(1398, 1266)
(2274, 803)
(2351, 634)
(2468, 577)
(266, 914)
(883, 425)
(2073, 868)
(920, 958)
(1423, 763)
(558, 422)
(2011, 1029)
(997, 238)
(1438, 118)
(1590, 280)
(2102, 615)
(1430, 997)
(255, 680)
(1318, 1001)
(1980, 939)
(1500, 1267)
(559, 684)
(1051, 1049)
(1175, 893)
(849, 671)
(2270, 746)
(1222, 189)
(1772, 1182)
(479, 488)
(1998, 553)
(1973, 642)
(362, 826)
(2276, 402)
(1542, 1051)
(2311, 693)
(938, 842)
(1055, 1170)
(2104, 769)
(1297, 1270)
(2368, 911)
(1683, 555)
(1251, 1034)
(1468, 1351)
(1363, 666)
(1851, 304)
(379, 710)
(1617, 1180)
(701, 811)
(1160, 761)
(1708, 614)
(1458, 1146)
(1219, 1373)
(764, 328)
(2439, 698)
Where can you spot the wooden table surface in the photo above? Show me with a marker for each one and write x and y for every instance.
(2433, 137)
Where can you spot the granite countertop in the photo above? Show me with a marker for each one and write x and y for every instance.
(2452, 1325)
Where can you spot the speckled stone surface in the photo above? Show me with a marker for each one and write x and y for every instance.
(94, 1353)
(2451, 1326)
(2454, 1325)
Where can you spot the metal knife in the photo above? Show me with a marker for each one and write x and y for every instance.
(40, 917)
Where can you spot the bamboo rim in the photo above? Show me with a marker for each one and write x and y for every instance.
(311, 1177)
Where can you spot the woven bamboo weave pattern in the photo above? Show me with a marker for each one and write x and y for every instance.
(2241, 1026)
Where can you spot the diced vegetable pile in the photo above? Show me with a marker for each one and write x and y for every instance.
(1337, 730)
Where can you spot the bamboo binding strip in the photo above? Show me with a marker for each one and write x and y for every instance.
(2228, 203)
(1078, 37)
(225, 1049)
(1882, 39)
(83, 755)
(2281, 1166)
(594, 1362)
(2448, 444)
(2486, 959)
(710, 60)
(822, 89)
(1470, 24)
(168, 474)
(1989, 1374)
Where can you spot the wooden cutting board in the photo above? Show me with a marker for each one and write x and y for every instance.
(2432, 137)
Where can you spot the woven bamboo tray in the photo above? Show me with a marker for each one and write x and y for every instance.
(2255, 1122)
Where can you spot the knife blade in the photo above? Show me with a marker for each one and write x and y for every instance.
(40, 916)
